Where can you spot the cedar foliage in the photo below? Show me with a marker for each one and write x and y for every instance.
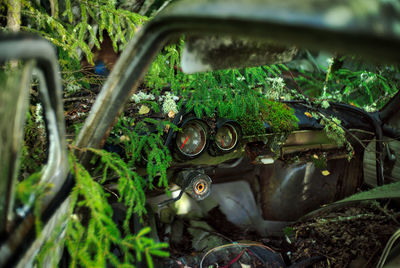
(80, 23)
(91, 235)
(243, 95)
(92, 241)
(75, 27)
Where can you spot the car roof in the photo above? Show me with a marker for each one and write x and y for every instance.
(369, 28)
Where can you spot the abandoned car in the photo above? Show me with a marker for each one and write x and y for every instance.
(255, 157)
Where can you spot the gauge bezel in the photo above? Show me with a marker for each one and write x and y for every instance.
(238, 131)
(206, 129)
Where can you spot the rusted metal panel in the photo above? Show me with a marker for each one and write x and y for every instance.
(289, 191)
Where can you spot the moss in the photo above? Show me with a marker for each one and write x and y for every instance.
(251, 125)
(279, 116)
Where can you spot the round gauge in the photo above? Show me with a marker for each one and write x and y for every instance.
(192, 140)
(201, 187)
(226, 137)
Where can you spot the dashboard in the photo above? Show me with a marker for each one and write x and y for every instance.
(205, 141)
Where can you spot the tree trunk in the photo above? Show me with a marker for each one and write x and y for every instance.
(14, 15)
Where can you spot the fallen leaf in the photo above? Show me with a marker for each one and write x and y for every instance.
(325, 172)
(166, 128)
(124, 138)
(244, 265)
(144, 109)
(171, 114)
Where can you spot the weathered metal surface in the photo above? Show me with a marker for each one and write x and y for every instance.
(394, 145)
(307, 137)
(391, 115)
(14, 96)
(289, 191)
(58, 221)
(207, 53)
(56, 169)
(369, 168)
(334, 25)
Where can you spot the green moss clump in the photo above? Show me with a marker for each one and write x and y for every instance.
(251, 125)
(279, 116)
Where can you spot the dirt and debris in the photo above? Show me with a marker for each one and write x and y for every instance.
(352, 236)
(348, 237)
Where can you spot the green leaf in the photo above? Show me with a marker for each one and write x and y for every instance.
(159, 253)
(69, 10)
(143, 232)
(149, 259)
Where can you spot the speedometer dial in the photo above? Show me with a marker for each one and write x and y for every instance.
(192, 140)
(226, 137)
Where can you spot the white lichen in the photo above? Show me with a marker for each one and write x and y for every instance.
(370, 108)
(333, 130)
(275, 88)
(325, 104)
(367, 79)
(71, 88)
(169, 103)
(138, 97)
(39, 116)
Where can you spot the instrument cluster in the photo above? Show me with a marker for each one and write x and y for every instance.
(195, 137)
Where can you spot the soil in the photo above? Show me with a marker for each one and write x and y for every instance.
(348, 237)
(352, 236)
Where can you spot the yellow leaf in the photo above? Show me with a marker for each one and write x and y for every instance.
(124, 138)
(171, 114)
(242, 265)
(325, 172)
(144, 109)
